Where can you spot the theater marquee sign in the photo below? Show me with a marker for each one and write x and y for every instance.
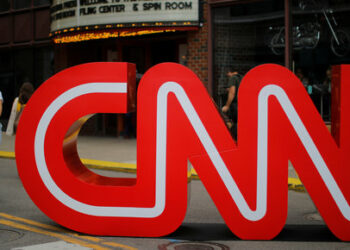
(66, 14)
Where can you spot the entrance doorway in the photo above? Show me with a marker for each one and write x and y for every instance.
(144, 52)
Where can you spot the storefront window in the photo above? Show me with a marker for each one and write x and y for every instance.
(41, 2)
(4, 5)
(242, 35)
(321, 39)
(21, 4)
(43, 65)
(252, 33)
(6, 80)
(23, 67)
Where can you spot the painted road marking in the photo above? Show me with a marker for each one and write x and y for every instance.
(60, 233)
(53, 245)
(51, 234)
(49, 227)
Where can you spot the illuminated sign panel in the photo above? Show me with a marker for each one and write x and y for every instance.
(66, 14)
(178, 122)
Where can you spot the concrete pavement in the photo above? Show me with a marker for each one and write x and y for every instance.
(96, 152)
(117, 154)
(23, 225)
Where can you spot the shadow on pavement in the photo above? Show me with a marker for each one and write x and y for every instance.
(220, 232)
(306, 233)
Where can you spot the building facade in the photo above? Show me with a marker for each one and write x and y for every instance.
(142, 32)
(307, 36)
(42, 37)
(26, 51)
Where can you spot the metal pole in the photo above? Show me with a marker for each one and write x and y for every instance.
(210, 52)
(288, 34)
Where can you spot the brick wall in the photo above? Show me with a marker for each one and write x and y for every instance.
(197, 42)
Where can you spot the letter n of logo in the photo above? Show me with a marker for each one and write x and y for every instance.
(178, 122)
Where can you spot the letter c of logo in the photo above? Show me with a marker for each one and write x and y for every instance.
(46, 151)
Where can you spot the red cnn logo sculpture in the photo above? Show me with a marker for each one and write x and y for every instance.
(178, 122)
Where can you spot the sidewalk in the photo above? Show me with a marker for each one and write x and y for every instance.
(110, 153)
(117, 154)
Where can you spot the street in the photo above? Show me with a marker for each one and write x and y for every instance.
(23, 225)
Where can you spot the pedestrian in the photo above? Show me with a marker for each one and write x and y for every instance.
(230, 107)
(304, 80)
(18, 105)
(326, 92)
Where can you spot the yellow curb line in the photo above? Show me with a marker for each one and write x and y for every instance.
(108, 165)
(6, 154)
(293, 183)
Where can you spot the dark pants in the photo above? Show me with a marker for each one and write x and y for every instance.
(233, 116)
